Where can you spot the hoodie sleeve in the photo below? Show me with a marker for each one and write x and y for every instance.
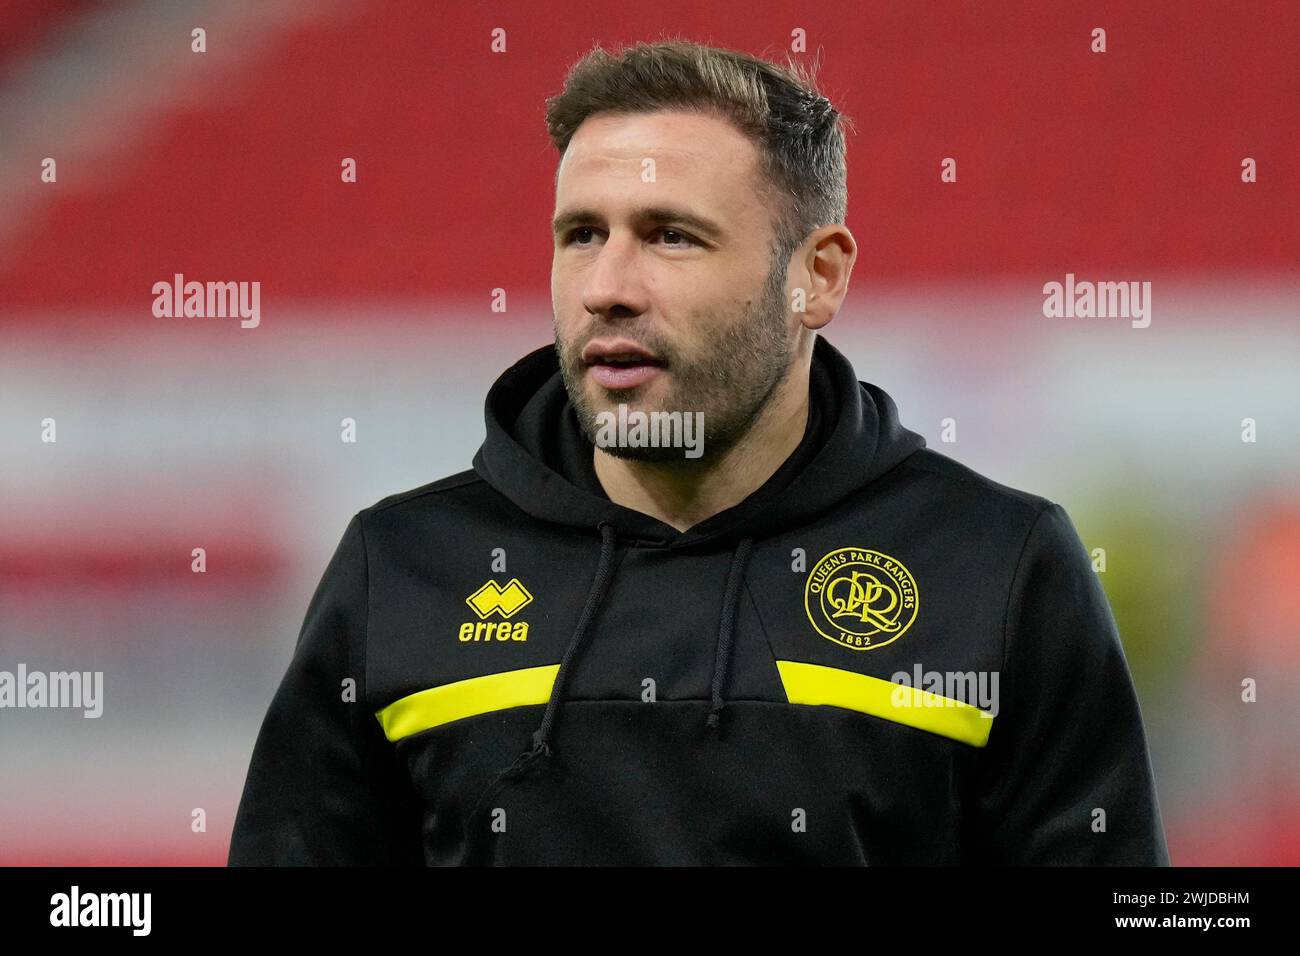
(1068, 753)
(324, 786)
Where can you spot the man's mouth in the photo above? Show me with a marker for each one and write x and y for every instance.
(623, 373)
(620, 364)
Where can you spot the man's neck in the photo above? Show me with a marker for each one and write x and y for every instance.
(684, 492)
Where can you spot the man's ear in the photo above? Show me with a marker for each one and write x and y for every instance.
(825, 261)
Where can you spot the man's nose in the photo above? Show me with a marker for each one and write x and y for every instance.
(615, 284)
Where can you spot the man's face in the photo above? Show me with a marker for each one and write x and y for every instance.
(663, 242)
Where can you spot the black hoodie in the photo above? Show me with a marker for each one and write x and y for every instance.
(879, 657)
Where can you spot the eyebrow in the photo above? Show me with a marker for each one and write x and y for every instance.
(652, 215)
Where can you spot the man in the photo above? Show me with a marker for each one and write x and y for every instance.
(599, 647)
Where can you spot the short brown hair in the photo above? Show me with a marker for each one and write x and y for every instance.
(797, 131)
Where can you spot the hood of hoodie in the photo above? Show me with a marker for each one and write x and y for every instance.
(853, 437)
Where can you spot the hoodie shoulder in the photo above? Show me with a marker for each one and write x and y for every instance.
(971, 482)
(458, 480)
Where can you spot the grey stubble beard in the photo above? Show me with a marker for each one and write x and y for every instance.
(744, 366)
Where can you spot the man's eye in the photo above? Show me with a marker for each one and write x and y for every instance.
(685, 240)
(673, 238)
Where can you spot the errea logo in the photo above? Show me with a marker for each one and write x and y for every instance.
(505, 602)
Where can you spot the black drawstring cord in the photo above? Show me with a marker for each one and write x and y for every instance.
(594, 597)
(721, 663)
(540, 747)
(727, 626)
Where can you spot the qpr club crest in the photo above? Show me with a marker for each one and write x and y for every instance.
(860, 599)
